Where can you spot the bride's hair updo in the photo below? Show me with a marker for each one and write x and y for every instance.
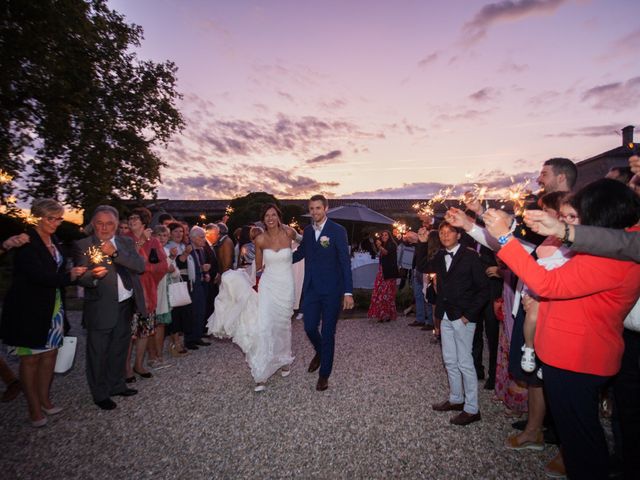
(268, 206)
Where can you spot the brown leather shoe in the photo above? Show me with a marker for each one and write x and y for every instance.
(323, 383)
(415, 324)
(464, 418)
(315, 363)
(446, 406)
(427, 328)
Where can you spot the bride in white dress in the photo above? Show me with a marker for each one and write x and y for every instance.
(260, 323)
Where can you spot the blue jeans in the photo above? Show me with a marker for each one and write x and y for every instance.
(424, 312)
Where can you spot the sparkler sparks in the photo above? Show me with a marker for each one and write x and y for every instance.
(5, 177)
(401, 227)
(294, 224)
(97, 256)
(229, 210)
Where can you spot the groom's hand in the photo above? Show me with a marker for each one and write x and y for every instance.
(347, 302)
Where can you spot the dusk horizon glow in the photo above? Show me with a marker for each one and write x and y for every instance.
(387, 100)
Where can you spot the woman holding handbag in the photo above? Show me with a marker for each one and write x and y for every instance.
(163, 308)
(155, 267)
(32, 317)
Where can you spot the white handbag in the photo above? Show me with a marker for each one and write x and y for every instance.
(66, 355)
(179, 294)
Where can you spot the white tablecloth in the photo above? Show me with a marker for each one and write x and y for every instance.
(363, 270)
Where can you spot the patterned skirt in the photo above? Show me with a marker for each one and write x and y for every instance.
(55, 335)
(383, 298)
(142, 327)
(512, 393)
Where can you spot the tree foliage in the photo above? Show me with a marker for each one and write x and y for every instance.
(81, 117)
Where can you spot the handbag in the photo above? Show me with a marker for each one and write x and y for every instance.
(66, 355)
(153, 256)
(179, 294)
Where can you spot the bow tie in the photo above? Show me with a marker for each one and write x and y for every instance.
(449, 253)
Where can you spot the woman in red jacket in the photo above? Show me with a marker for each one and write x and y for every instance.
(579, 331)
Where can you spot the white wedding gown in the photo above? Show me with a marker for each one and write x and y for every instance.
(259, 323)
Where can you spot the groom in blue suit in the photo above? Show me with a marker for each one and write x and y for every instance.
(327, 284)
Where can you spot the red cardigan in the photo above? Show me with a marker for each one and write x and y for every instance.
(583, 304)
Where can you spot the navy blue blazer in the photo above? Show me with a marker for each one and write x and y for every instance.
(327, 269)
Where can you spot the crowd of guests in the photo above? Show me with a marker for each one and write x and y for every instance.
(555, 291)
(126, 268)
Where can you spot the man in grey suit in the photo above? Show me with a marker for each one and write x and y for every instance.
(112, 292)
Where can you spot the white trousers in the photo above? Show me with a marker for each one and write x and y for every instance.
(457, 342)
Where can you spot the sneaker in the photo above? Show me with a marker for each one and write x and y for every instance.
(300, 316)
(528, 360)
(285, 371)
(260, 387)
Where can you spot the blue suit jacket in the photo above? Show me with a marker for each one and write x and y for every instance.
(327, 270)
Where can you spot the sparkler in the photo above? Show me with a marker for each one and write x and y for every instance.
(229, 210)
(97, 256)
(30, 219)
(401, 227)
(428, 208)
(517, 193)
(5, 177)
(294, 224)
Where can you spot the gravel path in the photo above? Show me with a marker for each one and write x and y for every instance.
(200, 419)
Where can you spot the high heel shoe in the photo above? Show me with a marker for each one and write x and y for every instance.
(143, 374)
(52, 410)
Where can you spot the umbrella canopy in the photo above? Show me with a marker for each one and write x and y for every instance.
(356, 212)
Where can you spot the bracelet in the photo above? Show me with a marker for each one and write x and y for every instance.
(565, 238)
(502, 240)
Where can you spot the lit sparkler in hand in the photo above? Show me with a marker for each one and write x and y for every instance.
(97, 256)
(401, 227)
(294, 224)
(229, 210)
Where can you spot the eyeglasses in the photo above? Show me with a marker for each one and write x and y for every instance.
(54, 219)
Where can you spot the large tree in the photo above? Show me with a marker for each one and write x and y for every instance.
(81, 117)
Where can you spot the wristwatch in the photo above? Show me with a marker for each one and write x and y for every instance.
(503, 239)
(114, 254)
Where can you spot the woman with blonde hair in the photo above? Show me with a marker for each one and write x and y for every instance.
(33, 313)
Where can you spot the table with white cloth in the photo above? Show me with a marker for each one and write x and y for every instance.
(364, 270)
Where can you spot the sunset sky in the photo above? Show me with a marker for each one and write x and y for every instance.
(388, 98)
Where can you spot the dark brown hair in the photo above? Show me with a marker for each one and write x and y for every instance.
(143, 213)
(268, 206)
(320, 198)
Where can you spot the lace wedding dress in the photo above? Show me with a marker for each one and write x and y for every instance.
(259, 323)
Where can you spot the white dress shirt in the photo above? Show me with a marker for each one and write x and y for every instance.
(317, 228)
(123, 293)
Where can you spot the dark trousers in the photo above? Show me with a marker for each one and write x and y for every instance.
(107, 355)
(325, 308)
(489, 323)
(626, 391)
(574, 402)
(198, 312)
